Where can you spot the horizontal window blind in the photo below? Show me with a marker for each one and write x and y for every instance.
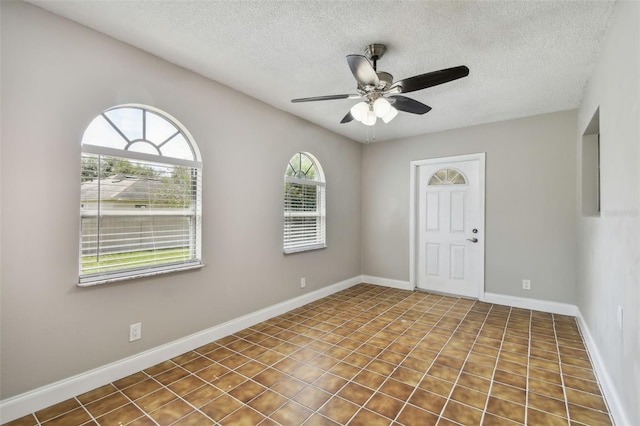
(137, 217)
(304, 215)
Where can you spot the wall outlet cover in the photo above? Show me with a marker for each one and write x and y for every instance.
(135, 331)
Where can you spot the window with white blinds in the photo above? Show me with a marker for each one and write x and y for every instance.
(141, 191)
(304, 204)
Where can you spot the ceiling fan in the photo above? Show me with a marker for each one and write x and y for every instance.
(381, 95)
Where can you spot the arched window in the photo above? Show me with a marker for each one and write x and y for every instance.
(304, 204)
(141, 190)
(447, 177)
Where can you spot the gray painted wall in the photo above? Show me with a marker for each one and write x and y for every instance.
(609, 246)
(530, 202)
(56, 76)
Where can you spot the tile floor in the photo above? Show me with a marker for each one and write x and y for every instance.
(368, 355)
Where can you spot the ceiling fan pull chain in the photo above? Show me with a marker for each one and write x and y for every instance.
(369, 135)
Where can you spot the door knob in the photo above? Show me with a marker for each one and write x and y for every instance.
(473, 240)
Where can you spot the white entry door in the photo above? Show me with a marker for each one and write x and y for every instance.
(449, 225)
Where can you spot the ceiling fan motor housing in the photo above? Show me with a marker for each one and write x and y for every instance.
(375, 51)
(385, 79)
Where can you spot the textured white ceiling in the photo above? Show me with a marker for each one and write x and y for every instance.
(525, 57)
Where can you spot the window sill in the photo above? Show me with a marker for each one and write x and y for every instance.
(106, 279)
(304, 248)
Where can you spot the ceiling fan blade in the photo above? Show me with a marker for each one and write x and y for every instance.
(402, 103)
(323, 98)
(431, 79)
(347, 118)
(363, 71)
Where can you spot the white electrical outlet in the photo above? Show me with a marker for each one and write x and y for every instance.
(526, 284)
(303, 282)
(135, 331)
(620, 317)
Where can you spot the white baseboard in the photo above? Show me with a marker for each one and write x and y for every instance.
(534, 304)
(29, 402)
(499, 299)
(608, 388)
(387, 282)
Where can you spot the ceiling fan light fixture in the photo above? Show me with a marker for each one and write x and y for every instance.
(381, 107)
(360, 110)
(390, 115)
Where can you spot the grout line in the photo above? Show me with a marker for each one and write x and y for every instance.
(372, 359)
(335, 394)
(166, 387)
(448, 398)
(85, 409)
(393, 306)
(593, 370)
(117, 391)
(289, 375)
(495, 366)
(131, 401)
(348, 381)
(436, 357)
(564, 389)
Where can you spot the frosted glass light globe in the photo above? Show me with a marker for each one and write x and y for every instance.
(359, 110)
(390, 115)
(381, 107)
(369, 119)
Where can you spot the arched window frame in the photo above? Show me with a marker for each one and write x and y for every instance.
(186, 204)
(436, 180)
(304, 204)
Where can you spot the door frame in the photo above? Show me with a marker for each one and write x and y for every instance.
(414, 185)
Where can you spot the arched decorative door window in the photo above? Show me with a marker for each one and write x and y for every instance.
(141, 191)
(448, 177)
(304, 204)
